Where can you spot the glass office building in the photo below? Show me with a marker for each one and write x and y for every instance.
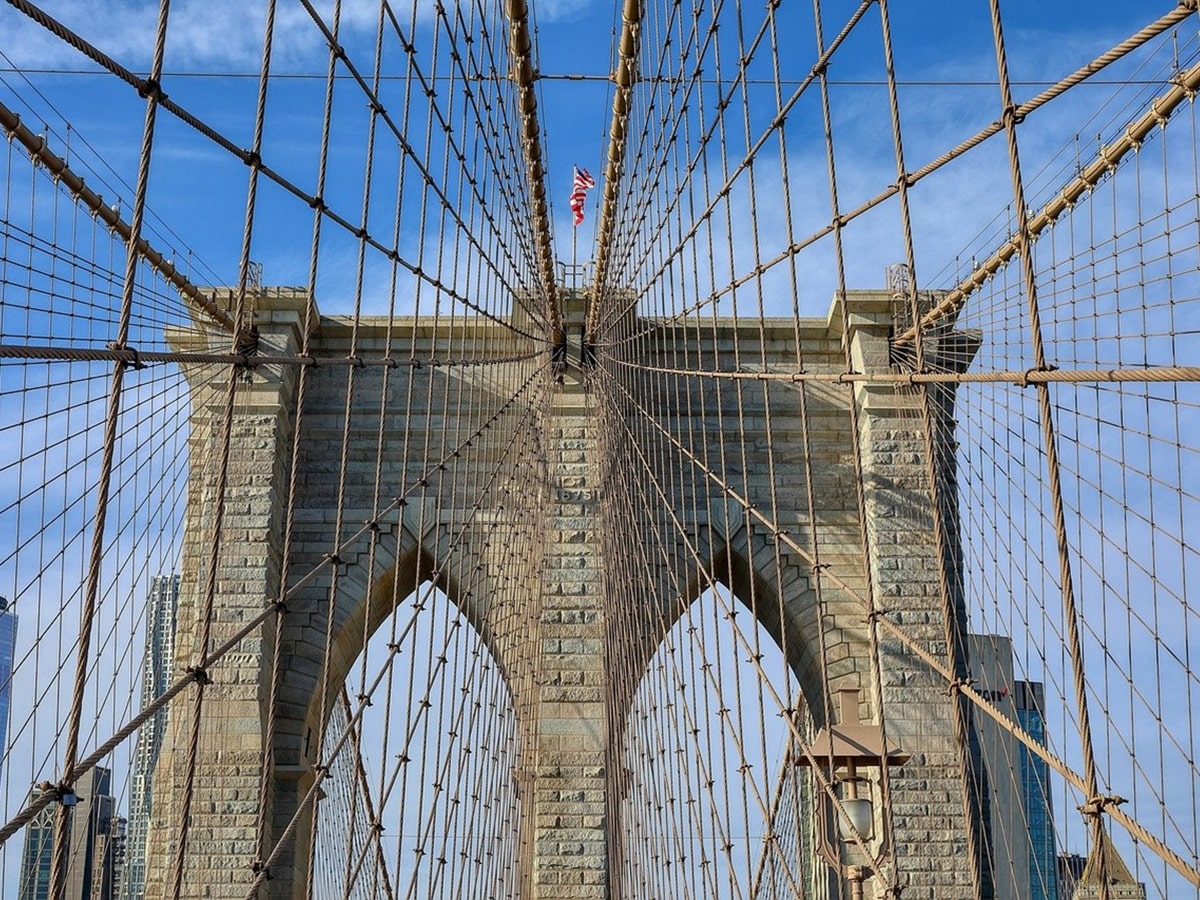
(157, 661)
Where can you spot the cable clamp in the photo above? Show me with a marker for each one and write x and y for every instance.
(1100, 803)
(1011, 115)
(151, 89)
(129, 354)
(247, 345)
(199, 674)
(62, 792)
(1026, 380)
(954, 688)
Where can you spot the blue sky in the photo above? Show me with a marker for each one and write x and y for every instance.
(946, 66)
(199, 190)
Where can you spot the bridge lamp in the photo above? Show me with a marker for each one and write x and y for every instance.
(845, 749)
(856, 818)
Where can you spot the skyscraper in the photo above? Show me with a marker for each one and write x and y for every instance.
(1020, 819)
(8, 645)
(95, 844)
(156, 676)
(38, 854)
(1029, 700)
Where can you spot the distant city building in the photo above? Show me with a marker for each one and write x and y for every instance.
(1070, 871)
(1019, 814)
(95, 845)
(156, 676)
(8, 646)
(1030, 702)
(1105, 875)
(37, 855)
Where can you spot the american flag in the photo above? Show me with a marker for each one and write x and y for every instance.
(579, 188)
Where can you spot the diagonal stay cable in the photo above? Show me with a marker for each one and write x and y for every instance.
(35, 146)
(1169, 856)
(1160, 25)
(1107, 158)
(199, 672)
(322, 770)
(421, 165)
(254, 161)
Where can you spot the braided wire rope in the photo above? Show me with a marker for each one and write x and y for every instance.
(466, 609)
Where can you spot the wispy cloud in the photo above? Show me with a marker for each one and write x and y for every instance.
(203, 34)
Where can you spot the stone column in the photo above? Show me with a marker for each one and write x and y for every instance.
(569, 780)
(928, 812)
(223, 824)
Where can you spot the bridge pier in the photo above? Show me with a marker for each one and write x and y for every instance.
(230, 742)
(569, 781)
(540, 604)
(932, 795)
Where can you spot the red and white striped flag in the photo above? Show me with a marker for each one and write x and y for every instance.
(579, 188)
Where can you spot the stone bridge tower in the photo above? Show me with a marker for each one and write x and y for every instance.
(543, 612)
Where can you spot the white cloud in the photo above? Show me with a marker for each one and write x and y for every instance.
(202, 34)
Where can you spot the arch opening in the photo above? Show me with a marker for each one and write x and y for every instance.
(419, 800)
(713, 805)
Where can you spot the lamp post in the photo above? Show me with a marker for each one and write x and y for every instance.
(844, 749)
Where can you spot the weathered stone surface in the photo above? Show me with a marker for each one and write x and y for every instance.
(542, 568)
